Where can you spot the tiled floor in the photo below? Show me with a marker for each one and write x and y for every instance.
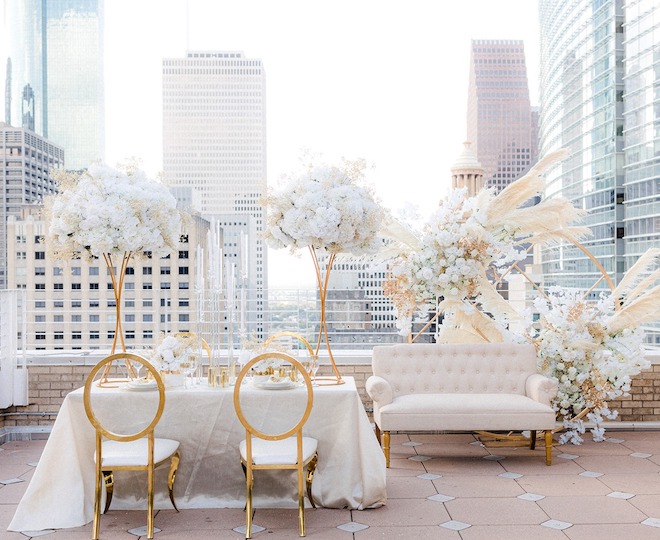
(439, 486)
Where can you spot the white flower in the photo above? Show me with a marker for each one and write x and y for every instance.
(107, 211)
(591, 365)
(325, 209)
(171, 349)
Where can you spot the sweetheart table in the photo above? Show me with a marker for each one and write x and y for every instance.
(350, 472)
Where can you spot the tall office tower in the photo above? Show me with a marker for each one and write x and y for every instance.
(54, 74)
(600, 74)
(214, 140)
(28, 162)
(499, 117)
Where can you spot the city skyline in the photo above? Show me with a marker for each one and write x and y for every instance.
(355, 80)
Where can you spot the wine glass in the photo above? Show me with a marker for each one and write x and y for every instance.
(189, 366)
(314, 369)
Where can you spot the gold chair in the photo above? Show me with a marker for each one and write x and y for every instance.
(287, 450)
(139, 451)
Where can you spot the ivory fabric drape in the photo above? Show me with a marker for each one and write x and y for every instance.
(350, 473)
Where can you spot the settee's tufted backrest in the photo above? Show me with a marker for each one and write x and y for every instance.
(423, 368)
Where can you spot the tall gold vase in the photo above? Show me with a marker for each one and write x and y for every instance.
(117, 278)
(322, 282)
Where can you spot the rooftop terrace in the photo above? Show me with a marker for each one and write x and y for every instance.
(439, 486)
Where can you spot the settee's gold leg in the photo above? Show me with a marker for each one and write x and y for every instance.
(378, 436)
(548, 447)
(386, 447)
(532, 440)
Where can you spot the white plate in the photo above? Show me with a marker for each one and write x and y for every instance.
(141, 385)
(279, 385)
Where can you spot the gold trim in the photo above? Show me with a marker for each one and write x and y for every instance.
(323, 322)
(117, 288)
(249, 467)
(106, 476)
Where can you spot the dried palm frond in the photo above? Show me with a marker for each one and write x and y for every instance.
(550, 214)
(399, 234)
(494, 303)
(459, 335)
(642, 286)
(635, 274)
(470, 327)
(571, 234)
(645, 308)
(523, 189)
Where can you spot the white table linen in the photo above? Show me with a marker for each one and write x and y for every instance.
(350, 472)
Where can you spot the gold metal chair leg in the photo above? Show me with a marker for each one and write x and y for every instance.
(97, 505)
(386, 447)
(311, 468)
(548, 447)
(249, 479)
(301, 503)
(109, 481)
(532, 440)
(171, 477)
(377, 430)
(150, 503)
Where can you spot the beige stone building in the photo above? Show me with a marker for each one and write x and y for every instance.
(72, 306)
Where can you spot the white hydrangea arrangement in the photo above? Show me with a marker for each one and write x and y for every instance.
(454, 265)
(455, 253)
(326, 209)
(105, 211)
(592, 361)
(171, 350)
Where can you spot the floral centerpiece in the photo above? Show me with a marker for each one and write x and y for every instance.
(594, 348)
(455, 264)
(325, 209)
(172, 350)
(109, 213)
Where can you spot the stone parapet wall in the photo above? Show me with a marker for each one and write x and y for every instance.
(49, 384)
(643, 403)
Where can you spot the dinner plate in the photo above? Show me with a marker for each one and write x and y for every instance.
(141, 385)
(284, 384)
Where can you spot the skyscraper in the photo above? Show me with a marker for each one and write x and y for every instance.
(499, 116)
(600, 74)
(54, 74)
(214, 141)
(28, 162)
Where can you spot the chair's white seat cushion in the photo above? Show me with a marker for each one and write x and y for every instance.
(134, 453)
(282, 452)
(464, 412)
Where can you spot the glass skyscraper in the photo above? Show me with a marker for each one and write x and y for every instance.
(600, 95)
(54, 74)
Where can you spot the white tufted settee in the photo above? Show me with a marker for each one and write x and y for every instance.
(460, 387)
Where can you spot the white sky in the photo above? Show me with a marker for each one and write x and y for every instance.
(382, 80)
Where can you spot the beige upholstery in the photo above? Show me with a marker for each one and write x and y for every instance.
(460, 387)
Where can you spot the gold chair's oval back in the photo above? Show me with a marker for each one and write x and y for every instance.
(293, 335)
(237, 397)
(87, 398)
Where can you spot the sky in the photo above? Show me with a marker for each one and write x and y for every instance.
(381, 80)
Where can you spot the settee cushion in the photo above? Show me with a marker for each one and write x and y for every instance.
(464, 412)
(430, 368)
